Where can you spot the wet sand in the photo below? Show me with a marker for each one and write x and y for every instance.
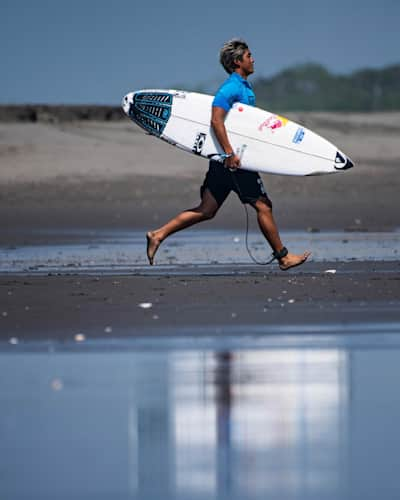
(303, 417)
(46, 307)
(98, 176)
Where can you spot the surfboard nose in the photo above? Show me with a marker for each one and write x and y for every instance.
(342, 162)
(349, 164)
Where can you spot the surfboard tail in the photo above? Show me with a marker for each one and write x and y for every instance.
(150, 110)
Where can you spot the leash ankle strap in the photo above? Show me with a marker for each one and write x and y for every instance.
(279, 255)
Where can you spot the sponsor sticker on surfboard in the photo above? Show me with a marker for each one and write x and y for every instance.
(273, 122)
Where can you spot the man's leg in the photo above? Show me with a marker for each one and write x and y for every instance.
(205, 211)
(269, 229)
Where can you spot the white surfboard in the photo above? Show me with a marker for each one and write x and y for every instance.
(265, 142)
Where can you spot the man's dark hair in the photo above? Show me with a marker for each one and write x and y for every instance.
(232, 51)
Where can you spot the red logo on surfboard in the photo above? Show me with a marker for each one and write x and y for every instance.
(273, 122)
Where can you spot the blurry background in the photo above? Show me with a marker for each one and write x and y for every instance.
(54, 51)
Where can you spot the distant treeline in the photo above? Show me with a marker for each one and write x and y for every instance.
(311, 87)
(307, 87)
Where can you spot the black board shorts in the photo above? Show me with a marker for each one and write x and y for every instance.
(220, 181)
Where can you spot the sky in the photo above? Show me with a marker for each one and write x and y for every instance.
(95, 51)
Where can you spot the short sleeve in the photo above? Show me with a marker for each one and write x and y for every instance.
(221, 102)
(225, 97)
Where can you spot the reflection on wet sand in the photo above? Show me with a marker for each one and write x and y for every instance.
(283, 422)
(273, 421)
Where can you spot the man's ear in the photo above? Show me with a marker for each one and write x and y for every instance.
(236, 61)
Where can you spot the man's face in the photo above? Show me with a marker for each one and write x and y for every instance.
(247, 63)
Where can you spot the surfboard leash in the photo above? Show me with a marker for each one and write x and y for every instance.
(221, 157)
(247, 243)
(275, 255)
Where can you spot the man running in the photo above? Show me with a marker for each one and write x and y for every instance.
(221, 179)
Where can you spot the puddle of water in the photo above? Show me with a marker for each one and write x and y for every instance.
(122, 251)
(289, 419)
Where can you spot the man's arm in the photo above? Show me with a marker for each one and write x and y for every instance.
(218, 125)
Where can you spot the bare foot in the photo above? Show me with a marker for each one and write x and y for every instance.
(152, 246)
(292, 260)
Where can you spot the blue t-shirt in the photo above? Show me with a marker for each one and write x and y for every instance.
(234, 89)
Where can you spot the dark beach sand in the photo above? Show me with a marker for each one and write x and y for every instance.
(60, 307)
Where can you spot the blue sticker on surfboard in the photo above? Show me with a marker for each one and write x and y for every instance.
(299, 135)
